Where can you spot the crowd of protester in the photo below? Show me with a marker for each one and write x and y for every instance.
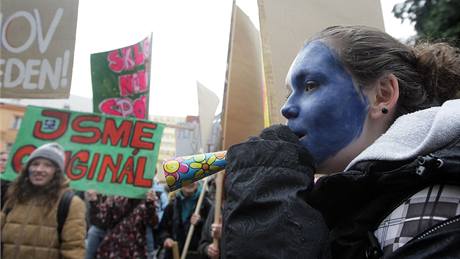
(98, 225)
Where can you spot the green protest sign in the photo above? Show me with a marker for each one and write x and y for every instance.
(121, 80)
(109, 154)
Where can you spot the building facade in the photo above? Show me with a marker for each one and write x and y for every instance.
(10, 121)
(168, 141)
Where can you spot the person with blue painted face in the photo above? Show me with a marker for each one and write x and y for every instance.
(379, 120)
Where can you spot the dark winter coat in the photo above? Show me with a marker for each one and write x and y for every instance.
(273, 209)
(354, 204)
(172, 226)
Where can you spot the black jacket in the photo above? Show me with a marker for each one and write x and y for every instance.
(273, 210)
(172, 226)
(206, 236)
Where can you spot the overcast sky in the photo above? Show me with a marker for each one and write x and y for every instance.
(190, 41)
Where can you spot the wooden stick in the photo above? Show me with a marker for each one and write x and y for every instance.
(175, 250)
(192, 227)
(218, 203)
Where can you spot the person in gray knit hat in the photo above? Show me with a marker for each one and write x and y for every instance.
(31, 208)
(52, 151)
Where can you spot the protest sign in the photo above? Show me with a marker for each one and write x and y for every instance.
(243, 113)
(207, 105)
(36, 48)
(113, 155)
(121, 80)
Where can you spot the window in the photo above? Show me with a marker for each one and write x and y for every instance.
(17, 122)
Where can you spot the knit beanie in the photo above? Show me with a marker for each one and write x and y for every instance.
(52, 151)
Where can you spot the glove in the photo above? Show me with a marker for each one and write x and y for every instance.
(275, 144)
(265, 213)
(281, 132)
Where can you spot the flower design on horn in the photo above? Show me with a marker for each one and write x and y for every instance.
(172, 168)
(203, 165)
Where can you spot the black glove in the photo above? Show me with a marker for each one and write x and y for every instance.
(279, 132)
(276, 143)
(265, 213)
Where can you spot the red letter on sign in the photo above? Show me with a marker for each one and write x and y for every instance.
(128, 171)
(107, 163)
(140, 169)
(83, 156)
(93, 166)
(116, 134)
(78, 128)
(19, 156)
(137, 141)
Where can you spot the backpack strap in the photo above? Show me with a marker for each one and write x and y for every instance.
(6, 211)
(63, 211)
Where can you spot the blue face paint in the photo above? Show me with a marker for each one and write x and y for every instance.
(324, 108)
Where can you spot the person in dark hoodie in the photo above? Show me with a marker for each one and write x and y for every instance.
(177, 218)
(376, 117)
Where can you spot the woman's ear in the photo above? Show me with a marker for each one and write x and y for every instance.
(386, 97)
